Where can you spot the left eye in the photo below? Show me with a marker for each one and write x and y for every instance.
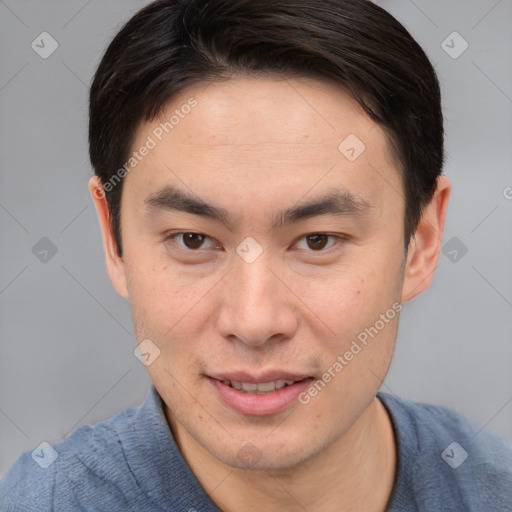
(317, 241)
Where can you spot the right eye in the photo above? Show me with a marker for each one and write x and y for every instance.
(188, 240)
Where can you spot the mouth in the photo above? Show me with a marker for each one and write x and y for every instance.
(259, 396)
(261, 388)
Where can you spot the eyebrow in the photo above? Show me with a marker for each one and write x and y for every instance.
(339, 202)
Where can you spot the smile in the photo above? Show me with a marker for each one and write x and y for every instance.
(260, 388)
(270, 394)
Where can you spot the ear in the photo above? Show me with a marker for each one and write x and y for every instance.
(425, 245)
(115, 264)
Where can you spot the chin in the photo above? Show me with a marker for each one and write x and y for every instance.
(265, 455)
(262, 461)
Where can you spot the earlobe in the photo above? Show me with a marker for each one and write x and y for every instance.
(114, 263)
(425, 246)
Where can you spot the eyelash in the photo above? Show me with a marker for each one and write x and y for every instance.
(172, 238)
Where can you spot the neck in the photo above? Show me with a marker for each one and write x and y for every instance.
(354, 473)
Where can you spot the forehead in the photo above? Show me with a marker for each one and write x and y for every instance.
(251, 134)
(264, 110)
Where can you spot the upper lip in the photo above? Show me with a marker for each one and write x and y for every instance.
(258, 378)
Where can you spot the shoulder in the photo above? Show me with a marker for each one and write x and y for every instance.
(447, 457)
(61, 476)
(439, 424)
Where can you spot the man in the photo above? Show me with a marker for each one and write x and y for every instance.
(268, 181)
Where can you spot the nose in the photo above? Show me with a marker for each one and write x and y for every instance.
(257, 306)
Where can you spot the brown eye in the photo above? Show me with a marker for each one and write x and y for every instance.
(193, 240)
(189, 241)
(317, 242)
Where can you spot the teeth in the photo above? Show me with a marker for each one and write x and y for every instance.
(261, 388)
(281, 384)
(249, 386)
(265, 387)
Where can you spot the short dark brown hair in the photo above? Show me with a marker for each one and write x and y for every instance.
(172, 44)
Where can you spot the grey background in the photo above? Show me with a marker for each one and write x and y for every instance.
(66, 353)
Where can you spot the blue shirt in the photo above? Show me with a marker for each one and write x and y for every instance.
(130, 462)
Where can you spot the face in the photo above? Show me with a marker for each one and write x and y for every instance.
(263, 247)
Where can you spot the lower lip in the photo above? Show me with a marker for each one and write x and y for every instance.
(252, 404)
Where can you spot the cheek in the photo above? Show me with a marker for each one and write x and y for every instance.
(354, 298)
(166, 298)
(357, 353)
(354, 369)
(173, 311)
